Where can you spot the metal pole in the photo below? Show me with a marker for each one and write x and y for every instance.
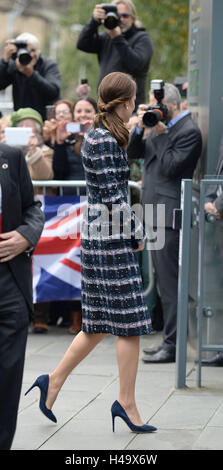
(200, 281)
(183, 283)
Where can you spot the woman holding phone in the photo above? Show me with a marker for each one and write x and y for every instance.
(112, 294)
(67, 163)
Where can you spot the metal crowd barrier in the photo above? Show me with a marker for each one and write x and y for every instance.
(207, 290)
(206, 299)
(183, 283)
(61, 184)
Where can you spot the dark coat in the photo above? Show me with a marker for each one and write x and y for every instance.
(130, 52)
(169, 158)
(19, 212)
(37, 91)
(212, 191)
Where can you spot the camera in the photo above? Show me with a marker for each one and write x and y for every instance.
(50, 112)
(23, 52)
(75, 128)
(112, 18)
(179, 82)
(210, 217)
(159, 112)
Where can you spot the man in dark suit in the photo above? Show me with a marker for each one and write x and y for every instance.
(214, 205)
(21, 224)
(170, 153)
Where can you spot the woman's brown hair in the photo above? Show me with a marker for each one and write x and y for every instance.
(67, 102)
(116, 88)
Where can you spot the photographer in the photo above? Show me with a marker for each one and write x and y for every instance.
(214, 195)
(214, 205)
(170, 151)
(36, 83)
(125, 48)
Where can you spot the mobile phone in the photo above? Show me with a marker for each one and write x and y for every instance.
(50, 112)
(74, 127)
(18, 135)
(84, 80)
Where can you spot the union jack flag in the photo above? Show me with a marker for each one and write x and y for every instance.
(56, 259)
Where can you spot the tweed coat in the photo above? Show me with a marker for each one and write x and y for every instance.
(112, 295)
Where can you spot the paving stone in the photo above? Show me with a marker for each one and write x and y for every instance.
(189, 418)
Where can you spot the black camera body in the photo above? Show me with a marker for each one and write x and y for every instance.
(23, 52)
(210, 217)
(159, 112)
(112, 18)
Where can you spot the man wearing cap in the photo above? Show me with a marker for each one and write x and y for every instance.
(34, 85)
(39, 157)
(21, 224)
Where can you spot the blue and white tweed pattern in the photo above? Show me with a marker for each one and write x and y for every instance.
(112, 294)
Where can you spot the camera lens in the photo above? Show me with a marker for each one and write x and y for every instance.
(111, 21)
(24, 56)
(152, 117)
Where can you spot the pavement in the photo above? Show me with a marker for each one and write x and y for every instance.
(187, 419)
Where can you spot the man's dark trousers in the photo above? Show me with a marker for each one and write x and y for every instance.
(14, 321)
(165, 262)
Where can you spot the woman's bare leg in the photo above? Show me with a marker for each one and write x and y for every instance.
(128, 357)
(80, 347)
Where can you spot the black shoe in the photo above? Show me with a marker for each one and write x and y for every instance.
(40, 328)
(153, 351)
(215, 361)
(160, 357)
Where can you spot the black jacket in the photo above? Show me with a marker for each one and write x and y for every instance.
(212, 194)
(37, 91)
(19, 212)
(169, 158)
(130, 52)
(67, 165)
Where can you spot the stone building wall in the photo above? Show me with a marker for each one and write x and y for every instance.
(39, 18)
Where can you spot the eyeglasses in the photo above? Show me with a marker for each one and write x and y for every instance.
(124, 15)
(64, 111)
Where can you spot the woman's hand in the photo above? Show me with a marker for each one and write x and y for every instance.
(61, 133)
(49, 130)
(86, 125)
(141, 247)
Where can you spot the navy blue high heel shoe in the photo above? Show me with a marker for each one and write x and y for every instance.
(118, 410)
(43, 383)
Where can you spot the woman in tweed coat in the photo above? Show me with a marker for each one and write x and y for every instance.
(112, 297)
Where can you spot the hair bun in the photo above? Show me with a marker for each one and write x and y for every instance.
(103, 107)
(108, 107)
